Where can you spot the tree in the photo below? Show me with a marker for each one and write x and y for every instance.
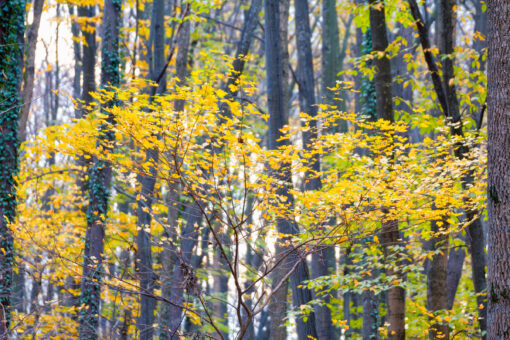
(307, 105)
(277, 121)
(147, 178)
(498, 315)
(12, 27)
(28, 79)
(100, 178)
(384, 106)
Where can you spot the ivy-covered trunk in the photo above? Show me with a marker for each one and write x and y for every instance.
(100, 179)
(12, 28)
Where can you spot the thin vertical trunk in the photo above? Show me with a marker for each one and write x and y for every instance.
(331, 58)
(437, 297)
(146, 275)
(277, 309)
(28, 79)
(88, 56)
(75, 31)
(307, 104)
(370, 304)
(173, 206)
(476, 230)
(498, 182)
(384, 106)
(100, 178)
(454, 270)
(277, 121)
(351, 300)
(12, 28)
(183, 276)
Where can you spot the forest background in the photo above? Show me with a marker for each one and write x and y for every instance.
(244, 169)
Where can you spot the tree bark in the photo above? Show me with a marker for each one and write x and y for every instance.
(28, 79)
(183, 276)
(88, 57)
(331, 58)
(384, 105)
(307, 104)
(437, 297)
(277, 120)
(145, 272)
(277, 309)
(498, 183)
(12, 28)
(100, 180)
(173, 206)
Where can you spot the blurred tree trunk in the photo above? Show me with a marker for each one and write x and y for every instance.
(28, 78)
(331, 59)
(498, 183)
(100, 178)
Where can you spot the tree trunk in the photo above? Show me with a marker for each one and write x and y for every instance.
(277, 121)
(277, 309)
(88, 57)
(173, 204)
(183, 277)
(307, 104)
(331, 58)
(100, 179)
(437, 297)
(146, 275)
(384, 106)
(12, 28)
(28, 79)
(498, 183)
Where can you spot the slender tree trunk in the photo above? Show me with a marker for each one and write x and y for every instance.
(351, 301)
(100, 178)
(88, 56)
(12, 28)
(332, 58)
(277, 309)
(307, 104)
(476, 229)
(437, 297)
(454, 270)
(173, 204)
(144, 268)
(277, 121)
(28, 79)
(390, 233)
(183, 276)
(498, 183)
(75, 31)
